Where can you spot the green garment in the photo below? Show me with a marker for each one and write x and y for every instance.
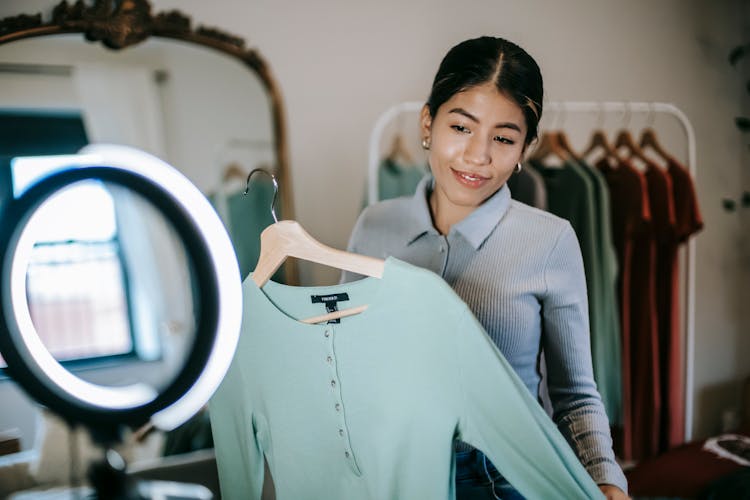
(245, 217)
(369, 408)
(571, 195)
(609, 328)
(396, 180)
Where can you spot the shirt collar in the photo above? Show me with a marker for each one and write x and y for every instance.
(475, 228)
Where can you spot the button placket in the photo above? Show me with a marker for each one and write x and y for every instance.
(338, 405)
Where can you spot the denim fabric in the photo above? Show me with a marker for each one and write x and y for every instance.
(478, 479)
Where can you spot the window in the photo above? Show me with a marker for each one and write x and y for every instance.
(76, 280)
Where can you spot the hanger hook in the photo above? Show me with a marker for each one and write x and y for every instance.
(275, 188)
(600, 116)
(651, 116)
(563, 115)
(626, 115)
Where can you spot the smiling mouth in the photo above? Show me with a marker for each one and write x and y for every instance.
(471, 180)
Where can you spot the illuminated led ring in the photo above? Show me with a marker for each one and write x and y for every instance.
(218, 307)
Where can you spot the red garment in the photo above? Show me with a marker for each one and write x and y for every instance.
(644, 340)
(664, 232)
(688, 221)
(630, 218)
(683, 472)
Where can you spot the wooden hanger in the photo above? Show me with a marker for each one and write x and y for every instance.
(599, 141)
(287, 238)
(548, 145)
(399, 151)
(564, 143)
(625, 141)
(233, 171)
(649, 140)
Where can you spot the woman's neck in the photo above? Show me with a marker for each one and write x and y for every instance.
(444, 213)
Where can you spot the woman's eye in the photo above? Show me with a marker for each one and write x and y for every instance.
(459, 128)
(504, 140)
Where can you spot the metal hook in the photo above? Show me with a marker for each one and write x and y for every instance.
(626, 115)
(275, 188)
(651, 116)
(600, 116)
(562, 115)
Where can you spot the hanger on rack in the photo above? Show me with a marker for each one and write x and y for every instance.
(625, 142)
(399, 152)
(649, 140)
(233, 171)
(287, 238)
(599, 140)
(551, 144)
(562, 137)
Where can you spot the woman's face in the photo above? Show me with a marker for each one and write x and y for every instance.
(476, 139)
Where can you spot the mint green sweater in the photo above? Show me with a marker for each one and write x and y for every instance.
(369, 408)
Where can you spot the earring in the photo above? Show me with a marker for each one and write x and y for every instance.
(425, 144)
(518, 167)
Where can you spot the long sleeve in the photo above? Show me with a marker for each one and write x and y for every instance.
(239, 455)
(578, 409)
(501, 418)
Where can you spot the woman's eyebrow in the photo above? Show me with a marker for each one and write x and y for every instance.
(473, 118)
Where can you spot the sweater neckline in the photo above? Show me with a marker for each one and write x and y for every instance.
(268, 296)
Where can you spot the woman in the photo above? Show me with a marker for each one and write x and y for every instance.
(518, 268)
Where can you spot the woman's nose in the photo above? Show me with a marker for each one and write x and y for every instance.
(477, 151)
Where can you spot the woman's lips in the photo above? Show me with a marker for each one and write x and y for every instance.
(469, 179)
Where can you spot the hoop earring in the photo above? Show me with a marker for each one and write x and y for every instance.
(425, 144)
(519, 167)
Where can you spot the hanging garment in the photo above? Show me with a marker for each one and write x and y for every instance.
(687, 212)
(571, 195)
(631, 222)
(663, 221)
(520, 271)
(245, 217)
(369, 408)
(527, 186)
(687, 221)
(610, 337)
(395, 179)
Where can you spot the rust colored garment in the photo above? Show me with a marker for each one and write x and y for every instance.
(644, 342)
(682, 472)
(631, 217)
(687, 212)
(663, 224)
(687, 221)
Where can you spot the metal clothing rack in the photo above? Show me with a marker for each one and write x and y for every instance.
(652, 108)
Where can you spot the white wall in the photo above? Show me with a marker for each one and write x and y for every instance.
(340, 63)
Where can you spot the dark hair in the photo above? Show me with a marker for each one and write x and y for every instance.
(488, 59)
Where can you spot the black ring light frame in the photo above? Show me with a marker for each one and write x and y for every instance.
(106, 423)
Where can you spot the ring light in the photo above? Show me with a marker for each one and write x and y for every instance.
(218, 312)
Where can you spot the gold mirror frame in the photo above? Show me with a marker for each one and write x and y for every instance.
(118, 24)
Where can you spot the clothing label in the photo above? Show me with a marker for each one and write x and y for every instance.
(331, 301)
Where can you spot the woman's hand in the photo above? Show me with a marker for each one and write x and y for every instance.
(613, 492)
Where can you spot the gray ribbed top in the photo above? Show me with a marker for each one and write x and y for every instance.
(519, 269)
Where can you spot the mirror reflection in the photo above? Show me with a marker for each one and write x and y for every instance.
(194, 107)
(120, 285)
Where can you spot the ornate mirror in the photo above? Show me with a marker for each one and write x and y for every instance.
(104, 71)
(107, 71)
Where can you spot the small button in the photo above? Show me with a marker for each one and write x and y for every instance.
(346, 454)
(329, 359)
(442, 249)
(338, 407)
(327, 333)
(333, 383)
(341, 432)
